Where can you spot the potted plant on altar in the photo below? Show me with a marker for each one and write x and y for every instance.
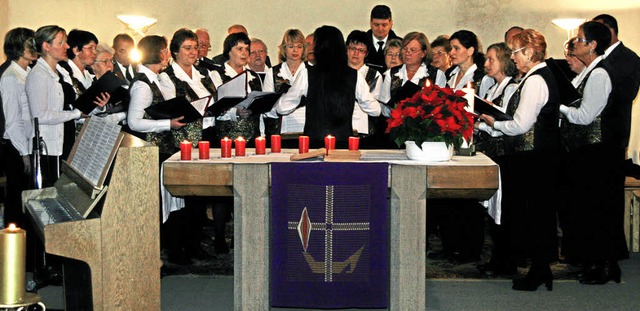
(431, 123)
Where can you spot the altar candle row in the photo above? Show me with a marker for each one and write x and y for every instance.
(240, 145)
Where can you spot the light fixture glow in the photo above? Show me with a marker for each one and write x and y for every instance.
(569, 24)
(137, 23)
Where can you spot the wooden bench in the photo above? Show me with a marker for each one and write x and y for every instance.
(632, 213)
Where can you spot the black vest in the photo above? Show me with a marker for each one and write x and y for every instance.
(545, 134)
(576, 135)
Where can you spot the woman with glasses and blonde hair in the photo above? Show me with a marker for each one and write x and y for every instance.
(532, 146)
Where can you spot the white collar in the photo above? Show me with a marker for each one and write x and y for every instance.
(152, 76)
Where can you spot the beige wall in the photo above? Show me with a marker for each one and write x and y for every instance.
(269, 19)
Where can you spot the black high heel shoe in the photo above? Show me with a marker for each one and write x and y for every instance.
(602, 273)
(536, 276)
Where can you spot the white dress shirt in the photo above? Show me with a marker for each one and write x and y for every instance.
(533, 96)
(594, 97)
(268, 86)
(46, 102)
(289, 101)
(494, 92)
(486, 83)
(82, 75)
(18, 128)
(141, 98)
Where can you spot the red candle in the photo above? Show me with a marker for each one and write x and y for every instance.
(225, 148)
(261, 145)
(203, 150)
(185, 150)
(354, 142)
(329, 142)
(241, 145)
(303, 144)
(276, 144)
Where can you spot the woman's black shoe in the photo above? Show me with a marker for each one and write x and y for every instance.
(602, 273)
(536, 276)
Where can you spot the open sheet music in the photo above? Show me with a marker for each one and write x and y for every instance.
(180, 106)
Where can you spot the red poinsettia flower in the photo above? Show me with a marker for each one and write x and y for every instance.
(432, 114)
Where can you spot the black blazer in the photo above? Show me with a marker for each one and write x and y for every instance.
(374, 58)
(625, 80)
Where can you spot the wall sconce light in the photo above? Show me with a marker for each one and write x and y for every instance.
(569, 24)
(138, 24)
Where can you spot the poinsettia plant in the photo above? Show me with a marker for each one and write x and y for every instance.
(432, 114)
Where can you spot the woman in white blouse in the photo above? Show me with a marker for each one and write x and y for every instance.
(467, 60)
(20, 49)
(291, 52)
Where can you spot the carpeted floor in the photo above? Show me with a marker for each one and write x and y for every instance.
(436, 268)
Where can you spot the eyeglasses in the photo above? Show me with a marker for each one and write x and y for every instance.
(105, 61)
(410, 51)
(359, 50)
(203, 45)
(440, 53)
(517, 50)
(91, 48)
(582, 40)
(190, 47)
(256, 52)
(393, 55)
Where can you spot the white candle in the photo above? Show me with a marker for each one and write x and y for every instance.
(469, 95)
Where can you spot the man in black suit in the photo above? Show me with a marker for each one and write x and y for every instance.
(379, 34)
(122, 67)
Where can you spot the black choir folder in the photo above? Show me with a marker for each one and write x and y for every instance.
(568, 93)
(406, 91)
(180, 106)
(482, 107)
(233, 93)
(108, 83)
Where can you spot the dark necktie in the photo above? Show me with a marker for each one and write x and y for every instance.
(128, 74)
(380, 44)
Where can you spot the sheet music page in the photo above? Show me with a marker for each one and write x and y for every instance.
(250, 97)
(236, 87)
(95, 146)
(201, 104)
(294, 122)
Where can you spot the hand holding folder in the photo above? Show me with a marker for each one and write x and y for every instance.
(180, 107)
(480, 106)
(108, 83)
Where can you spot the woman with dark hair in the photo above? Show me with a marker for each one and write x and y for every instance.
(182, 79)
(237, 121)
(20, 49)
(530, 165)
(145, 91)
(51, 96)
(331, 88)
(468, 62)
(594, 232)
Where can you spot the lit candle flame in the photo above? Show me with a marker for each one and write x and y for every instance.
(427, 83)
(12, 227)
(240, 138)
(469, 85)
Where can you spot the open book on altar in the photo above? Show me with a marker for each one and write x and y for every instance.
(108, 83)
(180, 106)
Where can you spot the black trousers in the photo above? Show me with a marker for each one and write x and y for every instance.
(17, 181)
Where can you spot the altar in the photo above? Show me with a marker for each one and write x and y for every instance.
(410, 183)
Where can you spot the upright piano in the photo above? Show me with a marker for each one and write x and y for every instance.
(104, 217)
